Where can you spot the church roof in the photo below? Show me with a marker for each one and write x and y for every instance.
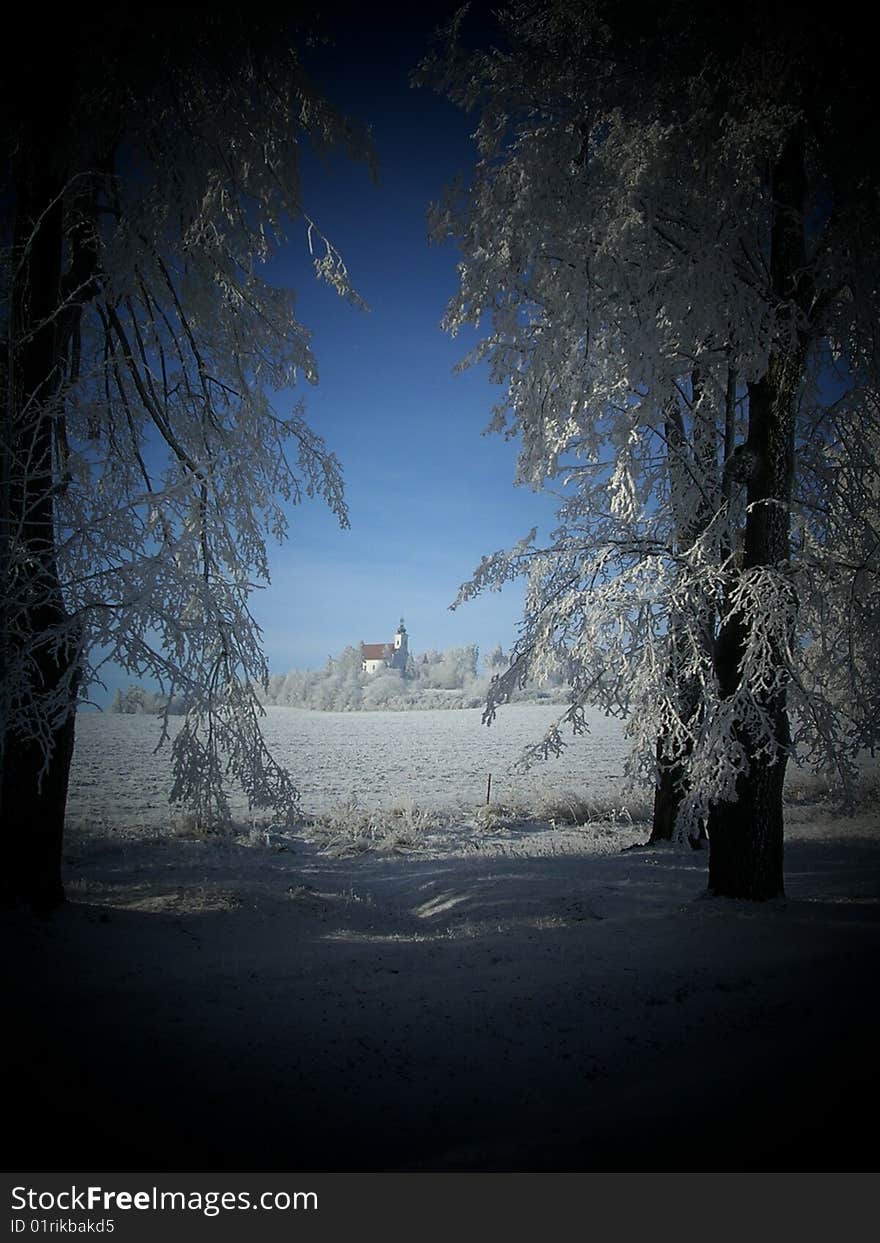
(374, 651)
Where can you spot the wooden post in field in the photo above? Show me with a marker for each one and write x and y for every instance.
(488, 789)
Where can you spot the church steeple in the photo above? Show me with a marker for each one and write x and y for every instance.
(400, 646)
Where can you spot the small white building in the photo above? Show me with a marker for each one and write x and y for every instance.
(391, 655)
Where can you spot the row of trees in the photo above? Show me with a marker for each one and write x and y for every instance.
(342, 685)
(452, 678)
(670, 243)
(139, 701)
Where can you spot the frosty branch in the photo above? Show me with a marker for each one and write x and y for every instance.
(710, 252)
(143, 460)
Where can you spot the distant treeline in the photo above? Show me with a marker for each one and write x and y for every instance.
(455, 678)
(137, 701)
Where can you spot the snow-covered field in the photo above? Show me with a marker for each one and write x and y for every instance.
(434, 759)
(519, 996)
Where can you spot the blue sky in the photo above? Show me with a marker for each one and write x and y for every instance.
(428, 493)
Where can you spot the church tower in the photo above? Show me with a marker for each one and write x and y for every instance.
(401, 650)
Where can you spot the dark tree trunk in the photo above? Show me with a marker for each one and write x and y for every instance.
(687, 462)
(746, 837)
(667, 798)
(669, 791)
(668, 795)
(746, 834)
(35, 798)
(41, 656)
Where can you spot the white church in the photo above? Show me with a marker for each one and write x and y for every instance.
(391, 655)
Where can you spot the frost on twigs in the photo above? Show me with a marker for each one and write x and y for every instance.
(224, 742)
(622, 246)
(173, 459)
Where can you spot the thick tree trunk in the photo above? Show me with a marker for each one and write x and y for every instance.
(746, 837)
(746, 834)
(40, 649)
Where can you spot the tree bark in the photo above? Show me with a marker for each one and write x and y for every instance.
(40, 648)
(690, 464)
(746, 833)
(667, 798)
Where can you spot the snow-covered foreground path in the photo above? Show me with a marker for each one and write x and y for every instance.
(205, 1007)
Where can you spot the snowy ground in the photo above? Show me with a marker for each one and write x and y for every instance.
(492, 996)
(434, 759)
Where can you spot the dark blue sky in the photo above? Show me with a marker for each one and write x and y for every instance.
(428, 493)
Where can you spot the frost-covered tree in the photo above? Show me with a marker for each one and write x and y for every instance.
(496, 658)
(667, 235)
(151, 166)
(137, 701)
(452, 669)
